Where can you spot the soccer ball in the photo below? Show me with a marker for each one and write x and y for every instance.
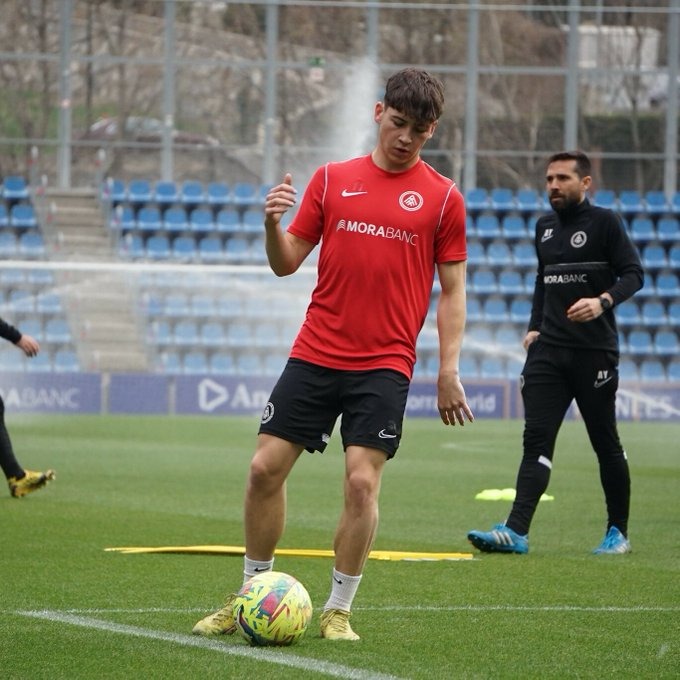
(272, 608)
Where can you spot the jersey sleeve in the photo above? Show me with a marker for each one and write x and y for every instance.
(450, 241)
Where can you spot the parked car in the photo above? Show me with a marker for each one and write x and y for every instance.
(142, 129)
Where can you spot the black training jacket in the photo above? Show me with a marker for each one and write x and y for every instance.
(582, 252)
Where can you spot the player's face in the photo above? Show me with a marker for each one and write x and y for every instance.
(565, 188)
(400, 139)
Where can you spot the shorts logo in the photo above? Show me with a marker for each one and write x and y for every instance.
(268, 413)
(578, 240)
(411, 201)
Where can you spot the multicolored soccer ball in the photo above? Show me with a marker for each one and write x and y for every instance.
(272, 608)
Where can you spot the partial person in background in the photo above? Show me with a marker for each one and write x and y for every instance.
(587, 265)
(386, 222)
(21, 481)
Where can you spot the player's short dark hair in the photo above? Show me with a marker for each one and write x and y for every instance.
(582, 161)
(415, 93)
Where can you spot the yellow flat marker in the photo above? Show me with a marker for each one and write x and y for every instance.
(394, 555)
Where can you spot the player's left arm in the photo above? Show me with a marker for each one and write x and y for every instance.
(451, 400)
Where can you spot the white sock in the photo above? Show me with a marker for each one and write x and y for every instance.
(252, 567)
(343, 590)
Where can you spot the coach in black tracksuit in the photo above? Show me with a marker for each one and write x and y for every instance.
(586, 266)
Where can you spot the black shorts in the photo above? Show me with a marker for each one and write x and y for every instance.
(307, 400)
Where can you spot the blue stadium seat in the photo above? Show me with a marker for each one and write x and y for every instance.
(15, 188)
(21, 301)
(502, 199)
(654, 256)
(628, 370)
(498, 254)
(524, 254)
(210, 250)
(520, 310)
(39, 277)
(668, 230)
(114, 191)
(175, 220)
(509, 338)
(476, 254)
(674, 314)
(165, 194)
(202, 305)
(22, 216)
(177, 305)
(667, 285)
(228, 221)
(513, 227)
(158, 247)
(529, 201)
(630, 202)
(604, 198)
(642, 229)
(473, 309)
(673, 371)
(252, 221)
(628, 314)
(122, 219)
(239, 335)
(640, 342)
(652, 370)
(48, 303)
(656, 203)
(184, 249)
(510, 282)
(8, 245)
(674, 257)
(66, 361)
(212, 334)
(4, 215)
(266, 335)
(229, 306)
(218, 195)
(248, 364)
(236, 249)
(195, 363)
(34, 328)
(149, 219)
(192, 194)
(492, 368)
(201, 221)
(244, 194)
(41, 363)
(477, 200)
(185, 333)
(653, 313)
(470, 228)
(57, 331)
(139, 192)
(488, 227)
(273, 364)
(31, 245)
(132, 247)
(469, 367)
(221, 363)
(483, 282)
(675, 203)
(666, 343)
(495, 310)
(160, 333)
(170, 363)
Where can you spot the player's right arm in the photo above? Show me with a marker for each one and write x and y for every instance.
(285, 251)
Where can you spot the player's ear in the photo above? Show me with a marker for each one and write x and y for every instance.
(378, 112)
(586, 182)
(433, 127)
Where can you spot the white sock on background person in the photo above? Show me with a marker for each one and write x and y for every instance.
(343, 590)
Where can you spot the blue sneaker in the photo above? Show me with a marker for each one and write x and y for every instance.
(614, 543)
(499, 539)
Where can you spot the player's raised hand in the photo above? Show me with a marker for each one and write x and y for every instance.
(279, 199)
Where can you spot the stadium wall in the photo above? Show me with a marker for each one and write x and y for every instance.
(142, 394)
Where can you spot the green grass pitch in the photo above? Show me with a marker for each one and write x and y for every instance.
(69, 609)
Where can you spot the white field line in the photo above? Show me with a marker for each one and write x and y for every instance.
(269, 656)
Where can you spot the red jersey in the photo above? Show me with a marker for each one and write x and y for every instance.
(381, 236)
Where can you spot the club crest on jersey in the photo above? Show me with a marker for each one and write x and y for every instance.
(411, 201)
(578, 240)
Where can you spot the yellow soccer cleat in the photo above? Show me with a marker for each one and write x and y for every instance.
(335, 625)
(31, 481)
(220, 622)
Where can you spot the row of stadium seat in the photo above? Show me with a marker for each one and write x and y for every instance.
(18, 217)
(29, 245)
(62, 360)
(190, 193)
(627, 202)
